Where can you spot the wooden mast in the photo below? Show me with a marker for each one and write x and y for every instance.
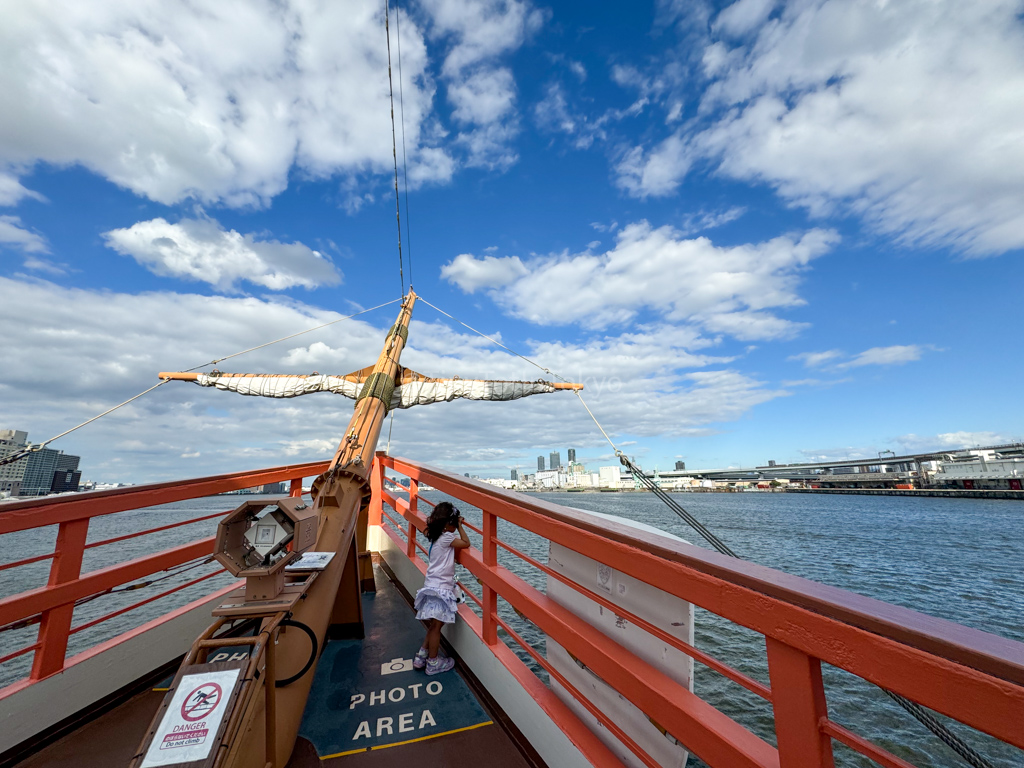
(332, 605)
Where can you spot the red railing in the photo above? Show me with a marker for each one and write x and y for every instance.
(52, 606)
(968, 675)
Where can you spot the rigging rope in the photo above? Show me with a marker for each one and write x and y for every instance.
(39, 446)
(922, 715)
(405, 165)
(394, 148)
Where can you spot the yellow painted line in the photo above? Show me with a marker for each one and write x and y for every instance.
(342, 754)
(433, 736)
(161, 689)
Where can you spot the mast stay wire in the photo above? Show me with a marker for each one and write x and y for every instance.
(394, 148)
(919, 713)
(405, 164)
(39, 446)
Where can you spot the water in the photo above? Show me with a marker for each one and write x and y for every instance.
(955, 558)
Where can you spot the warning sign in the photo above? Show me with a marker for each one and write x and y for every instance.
(191, 721)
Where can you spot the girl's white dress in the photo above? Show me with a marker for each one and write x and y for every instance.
(437, 599)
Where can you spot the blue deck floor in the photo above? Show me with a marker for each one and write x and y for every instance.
(367, 699)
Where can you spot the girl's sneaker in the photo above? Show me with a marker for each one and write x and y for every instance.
(420, 660)
(438, 665)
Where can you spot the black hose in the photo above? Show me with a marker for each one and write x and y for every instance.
(312, 652)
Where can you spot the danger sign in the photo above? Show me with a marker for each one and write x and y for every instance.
(189, 727)
(201, 702)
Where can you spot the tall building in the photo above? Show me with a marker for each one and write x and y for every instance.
(680, 465)
(515, 474)
(540, 463)
(12, 441)
(572, 455)
(41, 472)
(554, 460)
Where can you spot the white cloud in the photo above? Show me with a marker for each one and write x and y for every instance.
(471, 274)
(817, 359)
(639, 384)
(11, 191)
(14, 235)
(950, 441)
(894, 355)
(200, 249)
(727, 289)
(898, 354)
(482, 91)
(908, 114)
(216, 102)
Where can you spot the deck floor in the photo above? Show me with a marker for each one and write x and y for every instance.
(367, 707)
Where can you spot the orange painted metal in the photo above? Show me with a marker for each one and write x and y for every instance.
(966, 674)
(35, 513)
(799, 705)
(54, 603)
(853, 741)
(55, 623)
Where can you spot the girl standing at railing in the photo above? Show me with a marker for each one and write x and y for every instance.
(436, 602)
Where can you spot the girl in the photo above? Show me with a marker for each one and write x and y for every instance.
(435, 603)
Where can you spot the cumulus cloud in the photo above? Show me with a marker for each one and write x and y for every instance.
(202, 250)
(651, 382)
(214, 102)
(471, 274)
(481, 90)
(14, 235)
(726, 289)
(907, 114)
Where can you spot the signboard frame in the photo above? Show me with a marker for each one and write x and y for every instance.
(241, 665)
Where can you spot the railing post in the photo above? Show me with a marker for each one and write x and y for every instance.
(490, 597)
(56, 622)
(376, 486)
(798, 699)
(414, 500)
(295, 490)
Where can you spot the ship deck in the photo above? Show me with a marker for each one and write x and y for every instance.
(367, 707)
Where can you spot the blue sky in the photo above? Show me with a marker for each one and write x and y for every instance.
(757, 230)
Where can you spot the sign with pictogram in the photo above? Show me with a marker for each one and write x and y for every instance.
(188, 730)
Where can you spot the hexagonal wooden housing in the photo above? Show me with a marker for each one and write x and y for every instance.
(261, 558)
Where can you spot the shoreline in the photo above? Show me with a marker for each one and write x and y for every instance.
(956, 493)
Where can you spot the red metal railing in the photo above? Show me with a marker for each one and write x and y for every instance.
(52, 606)
(968, 675)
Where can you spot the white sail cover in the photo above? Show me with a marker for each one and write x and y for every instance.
(405, 396)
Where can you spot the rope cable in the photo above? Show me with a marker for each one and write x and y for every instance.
(405, 165)
(394, 148)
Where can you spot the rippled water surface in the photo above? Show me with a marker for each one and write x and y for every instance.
(960, 559)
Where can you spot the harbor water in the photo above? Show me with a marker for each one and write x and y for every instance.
(960, 559)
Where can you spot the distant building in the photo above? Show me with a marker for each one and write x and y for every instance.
(274, 488)
(12, 441)
(467, 474)
(680, 466)
(540, 463)
(572, 455)
(554, 460)
(38, 474)
(771, 462)
(515, 474)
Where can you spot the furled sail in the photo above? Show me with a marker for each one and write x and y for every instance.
(417, 391)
